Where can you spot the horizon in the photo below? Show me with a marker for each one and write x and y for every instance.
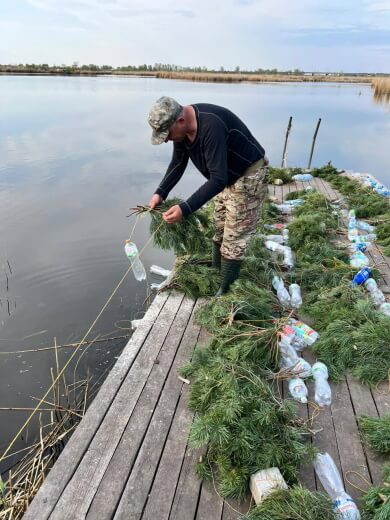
(252, 34)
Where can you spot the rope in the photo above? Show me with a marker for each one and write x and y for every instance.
(75, 352)
(359, 475)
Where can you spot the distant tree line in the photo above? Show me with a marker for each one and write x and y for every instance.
(92, 68)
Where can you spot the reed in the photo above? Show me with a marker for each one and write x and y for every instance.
(381, 88)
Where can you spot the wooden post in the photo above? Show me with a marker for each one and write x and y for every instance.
(284, 156)
(313, 143)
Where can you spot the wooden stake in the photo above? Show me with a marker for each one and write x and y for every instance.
(313, 143)
(284, 156)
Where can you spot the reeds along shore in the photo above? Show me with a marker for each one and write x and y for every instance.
(381, 88)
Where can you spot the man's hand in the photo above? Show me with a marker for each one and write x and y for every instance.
(173, 215)
(156, 200)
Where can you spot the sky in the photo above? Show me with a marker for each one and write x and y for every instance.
(312, 35)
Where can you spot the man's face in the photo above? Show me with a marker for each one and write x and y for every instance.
(177, 131)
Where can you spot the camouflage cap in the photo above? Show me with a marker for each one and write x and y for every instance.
(161, 117)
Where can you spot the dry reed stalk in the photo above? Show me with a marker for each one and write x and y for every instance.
(381, 88)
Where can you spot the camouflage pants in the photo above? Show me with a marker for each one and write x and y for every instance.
(237, 211)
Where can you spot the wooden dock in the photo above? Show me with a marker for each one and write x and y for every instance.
(129, 457)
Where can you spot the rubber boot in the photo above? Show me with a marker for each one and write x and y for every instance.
(216, 256)
(230, 271)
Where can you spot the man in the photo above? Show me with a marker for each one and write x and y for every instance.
(234, 164)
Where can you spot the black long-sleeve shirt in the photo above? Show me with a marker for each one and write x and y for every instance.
(222, 151)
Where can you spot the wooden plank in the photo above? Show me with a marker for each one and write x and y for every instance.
(210, 504)
(348, 440)
(183, 333)
(232, 509)
(164, 486)
(61, 473)
(188, 487)
(363, 404)
(381, 395)
(76, 498)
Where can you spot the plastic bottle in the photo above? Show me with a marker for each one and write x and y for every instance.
(358, 246)
(377, 297)
(370, 284)
(284, 208)
(358, 259)
(343, 505)
(294, 202)
(365, 226)
(309, 188)
(322, 390)
(274, 246)
(362, 275)
(160, 271)
(281, 291)
(308, 335)
(298, 389)
(295, 341)
(370, 237)
(275, 238)
(385, 308)
(136, 264)
(295, 293)
(156, 286)
(288, 257)
(304, 177)
(290, 360)
(285, 235)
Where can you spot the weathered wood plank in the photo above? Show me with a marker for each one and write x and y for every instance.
(363, 404)
(188, 487)
(381, 395)
(76, 498)
(351, 452)
(177, 346)
(61, 473)
(210, 504)
(232, 510)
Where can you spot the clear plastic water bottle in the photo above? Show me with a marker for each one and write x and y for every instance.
(274, 246)
(308, 335)
(275, 238)
(322, 390)
(290, 360)
(370, 237)
(288, 257)
(385, 308)
(303, 177)
(281, 291)
(377, 297)
(138, 269)
(298, 389)
(285, 235)
(363, 275)
(343, 505)
(358, 259)
(160, 271)
(365, 226)
(295, 293)
(284, 208)
(370, 284)
(157, 286)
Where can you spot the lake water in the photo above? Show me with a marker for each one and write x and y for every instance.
(75, 155)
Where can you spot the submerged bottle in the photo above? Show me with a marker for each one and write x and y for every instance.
(295, 293)
(322, 390)
(298, 389)
(343, 505)
(363, 275)
(281, 291)
(138, 269)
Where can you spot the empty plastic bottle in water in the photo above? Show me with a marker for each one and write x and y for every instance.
(136, 264)
(295, 293)
(298, 389)
(281, 291)
(385, 308)
(362, 275)
(160, 271)
(322, 390)
(343, 505)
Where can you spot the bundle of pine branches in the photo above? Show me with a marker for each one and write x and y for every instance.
(241, 421)
(376, 502)
(190, 236)
(194, 276)
(296, 503)
(376, 432)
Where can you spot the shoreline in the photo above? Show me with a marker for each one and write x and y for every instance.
(210, 77)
